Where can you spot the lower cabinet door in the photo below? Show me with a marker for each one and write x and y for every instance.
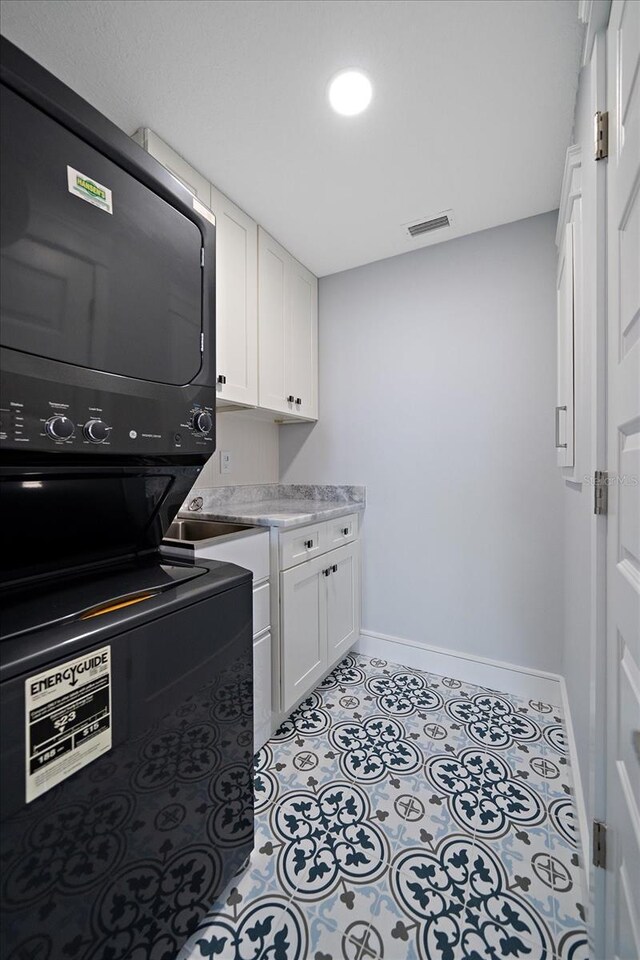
(303, 628)
(343, 600)
(261, 689)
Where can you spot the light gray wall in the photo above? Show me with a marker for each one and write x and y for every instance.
(437, 386)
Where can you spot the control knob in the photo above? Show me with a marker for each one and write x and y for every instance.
(202, 422)
(96, 430)
(60, 427)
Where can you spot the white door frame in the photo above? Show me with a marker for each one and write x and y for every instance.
(596, 779)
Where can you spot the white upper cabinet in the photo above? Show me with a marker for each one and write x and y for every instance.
(266, 305)
(301, 358)
(272, 320)
(564, 414)
(236, 302)
(288, 332)
(571, 335)
(174, 163)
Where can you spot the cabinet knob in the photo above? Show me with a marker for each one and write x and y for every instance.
(334, 568)
(290, 398)
(298, 402)
(345, 531)
(221, 378)
(325, 573)
(308, 544)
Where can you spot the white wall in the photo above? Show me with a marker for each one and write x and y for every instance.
(253, 445)
(437, 385)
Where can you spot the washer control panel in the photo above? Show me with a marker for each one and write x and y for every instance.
(88, 421)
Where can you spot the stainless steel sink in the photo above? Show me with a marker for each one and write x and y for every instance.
(192, 531)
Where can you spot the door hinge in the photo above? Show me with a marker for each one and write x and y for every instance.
(601, 135)
(202, 343)
(202, 256)
(599, 844)
(600, 492)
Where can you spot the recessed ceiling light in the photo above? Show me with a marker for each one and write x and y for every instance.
(350, 92)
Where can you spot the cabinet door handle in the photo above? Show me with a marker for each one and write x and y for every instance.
(558, 444)
(345, 531)
(221, 378)
(325, 573)
(334, 568)
(290, 398)
(308, 544)
(298, 402)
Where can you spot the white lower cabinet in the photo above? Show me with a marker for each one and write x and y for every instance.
(319, 618)
(261, 689)
(343, 601)
(251, 550)
(302, 628)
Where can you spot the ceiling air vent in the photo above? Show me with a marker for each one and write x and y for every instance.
(418, 228)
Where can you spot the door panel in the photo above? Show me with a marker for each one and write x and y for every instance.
(343, 600)
(261, 690)
(272, 267)
(301, 354)
(623, 535)
(303, 629)
(565, 399)
(236, 301)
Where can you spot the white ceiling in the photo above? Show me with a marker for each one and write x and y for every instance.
(472, 109)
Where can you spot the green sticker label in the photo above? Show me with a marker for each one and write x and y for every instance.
(90, 190)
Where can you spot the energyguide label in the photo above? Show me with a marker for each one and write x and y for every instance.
(68, 719)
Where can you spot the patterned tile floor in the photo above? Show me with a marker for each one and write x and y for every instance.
(406, 816)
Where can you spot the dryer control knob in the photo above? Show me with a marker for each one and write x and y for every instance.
(96, 430)
(202, 422)
(60, 428)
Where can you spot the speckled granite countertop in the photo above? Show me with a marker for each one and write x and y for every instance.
(274, 505)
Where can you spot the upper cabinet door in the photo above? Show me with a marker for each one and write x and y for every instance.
(272, 282)
(287, 332)
(236, 302)
(301, 361)
(564, 413)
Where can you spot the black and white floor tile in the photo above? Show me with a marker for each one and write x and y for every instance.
(407, 816)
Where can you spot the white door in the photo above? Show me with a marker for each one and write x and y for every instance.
(622, 936)
(343, 600)
(564, 425)
(301, 363)
(236, 302)
(303, 629)
(272, 317)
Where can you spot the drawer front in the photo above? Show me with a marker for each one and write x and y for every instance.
(341, 530)
(302, 544)
(261, 608)
(250, 552)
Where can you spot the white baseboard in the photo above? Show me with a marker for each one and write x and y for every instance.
(521, 681)
(508, 677)
(581, 807)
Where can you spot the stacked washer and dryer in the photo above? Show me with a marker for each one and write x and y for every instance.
(126, 733)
